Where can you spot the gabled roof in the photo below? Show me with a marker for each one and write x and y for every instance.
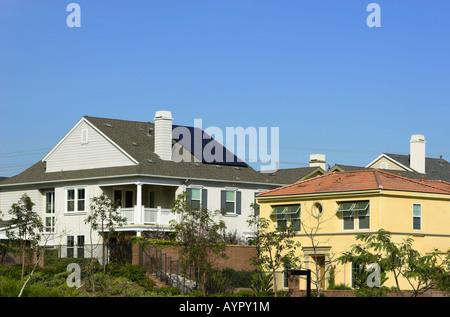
(292, 175)
(362, 180)
(137, 140)
(435, 168)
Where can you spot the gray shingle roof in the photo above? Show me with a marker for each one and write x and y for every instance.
(136, 138)
(435, 168)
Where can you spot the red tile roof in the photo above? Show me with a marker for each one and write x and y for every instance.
(369, 179)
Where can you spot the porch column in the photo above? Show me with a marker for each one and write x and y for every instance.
(138, 208)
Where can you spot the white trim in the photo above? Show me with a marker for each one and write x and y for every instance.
(390, 159)
(75, 200)
(141, 175)
(420, 217)
(96, 130)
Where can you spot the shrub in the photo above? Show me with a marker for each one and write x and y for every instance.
(243, 293)
(133, 272)
(195, 293)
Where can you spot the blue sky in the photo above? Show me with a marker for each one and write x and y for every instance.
(313, 68)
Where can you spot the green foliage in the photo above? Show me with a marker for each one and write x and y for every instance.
(195, 293)
(400, 259)
(261, 282)
(243, 293)
(276, 247)
(199, 238)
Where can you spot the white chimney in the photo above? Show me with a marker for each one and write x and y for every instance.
(163, 134)
(317, 160)
(417, 153)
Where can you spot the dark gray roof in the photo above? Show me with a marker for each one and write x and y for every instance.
(435, 168)
(292, 175)
(136, 138)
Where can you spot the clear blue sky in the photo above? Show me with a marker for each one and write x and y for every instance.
(312, 68)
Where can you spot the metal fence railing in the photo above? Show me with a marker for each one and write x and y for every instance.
(167, 269)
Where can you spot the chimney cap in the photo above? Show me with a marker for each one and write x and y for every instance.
(163, 114)
(417, 138)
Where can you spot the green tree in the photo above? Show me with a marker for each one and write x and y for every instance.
(104, 217)
(275, 247)
(199, 237)
(400, 259)
(25, 226)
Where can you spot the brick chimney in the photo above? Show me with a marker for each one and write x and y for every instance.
(417, 153)
(163, 134)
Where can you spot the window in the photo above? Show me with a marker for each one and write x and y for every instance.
(76, 199)
(317, 210)
(196, 195)
(417, 217)
(286, 276)
(352, 210)
(118, 197)
(128, 199)
(80, 246)
(356, 269)
(49, 210)
(49, 224)
(230, 202)
(285, 214)
(152, 200)
(50, 202)
(70, 244)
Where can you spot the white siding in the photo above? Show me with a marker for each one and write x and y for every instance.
(73, 154)
(7, 198)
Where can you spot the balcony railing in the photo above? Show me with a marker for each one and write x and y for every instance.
(143, 215)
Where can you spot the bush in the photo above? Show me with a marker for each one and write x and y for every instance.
(133, 272)
(195, 293)
(243, 293)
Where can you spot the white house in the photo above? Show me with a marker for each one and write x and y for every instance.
(132, 162)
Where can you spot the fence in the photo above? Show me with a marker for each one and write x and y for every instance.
(166, 268)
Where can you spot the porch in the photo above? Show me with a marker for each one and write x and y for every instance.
(146, 207)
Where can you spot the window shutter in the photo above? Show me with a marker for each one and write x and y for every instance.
(238, 202)
(204, 198)
(189, 195)
(223, 199)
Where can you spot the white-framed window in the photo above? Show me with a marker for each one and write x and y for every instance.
(76, 198)
(356, 269)
(84, 136)
(417, 216)
(352, 210)
(196, 198)
(50, 211)
(230, 201)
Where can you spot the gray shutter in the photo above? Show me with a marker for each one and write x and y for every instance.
(189, 195)
(238, 202)
(223, 200)
(204, 198)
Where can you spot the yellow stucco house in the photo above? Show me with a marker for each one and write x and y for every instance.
(343, 204)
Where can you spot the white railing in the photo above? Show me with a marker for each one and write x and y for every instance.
(158, 216)
(128, 214)
(154, 216)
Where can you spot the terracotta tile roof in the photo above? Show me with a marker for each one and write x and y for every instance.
(371, 179)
